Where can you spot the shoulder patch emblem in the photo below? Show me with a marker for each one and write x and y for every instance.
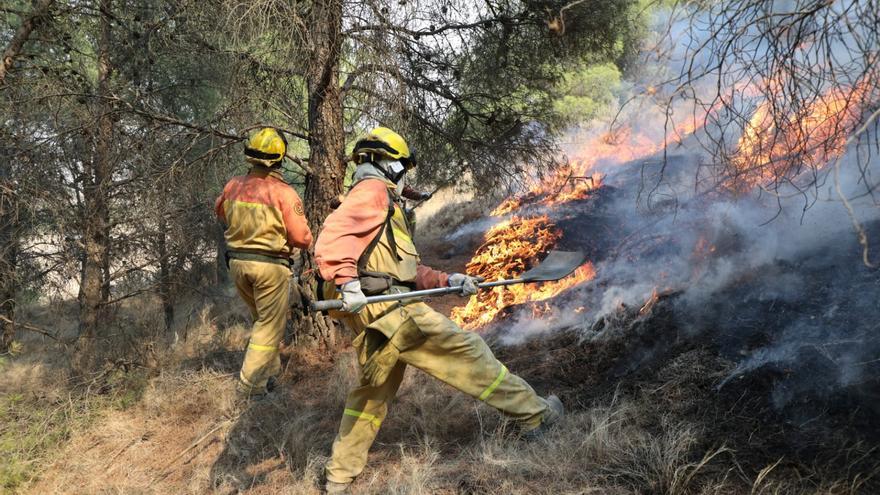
(298, 208)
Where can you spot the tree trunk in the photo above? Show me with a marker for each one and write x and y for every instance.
(22, 34)
(326, 144)
(221, 272)
(8, 255)
(105, 253)
(9, 233)
(165, 289)
(96, 208)
(8, 291)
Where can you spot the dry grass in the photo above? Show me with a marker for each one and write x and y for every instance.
(434, 441)
(600, 450)
(175, 428)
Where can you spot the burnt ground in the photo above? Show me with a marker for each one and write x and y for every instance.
(776, 377)
(765, 384)
(693, 379)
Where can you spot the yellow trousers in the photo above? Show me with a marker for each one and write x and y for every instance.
(264, 288)
(444, 351)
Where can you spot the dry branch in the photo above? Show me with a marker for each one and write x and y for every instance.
(29, 328)
(165, 471)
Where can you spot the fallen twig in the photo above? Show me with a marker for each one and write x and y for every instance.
(165, 471)
(123, 449)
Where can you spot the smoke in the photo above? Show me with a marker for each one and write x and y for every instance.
(525, 326)
(775, 281)
(770, 277)
(475, 227)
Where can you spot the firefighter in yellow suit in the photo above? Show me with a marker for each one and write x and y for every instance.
(366, 248)
(265, 222)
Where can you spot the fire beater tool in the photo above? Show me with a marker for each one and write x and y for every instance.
(557, 265)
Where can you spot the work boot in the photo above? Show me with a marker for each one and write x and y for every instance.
(272, 384)
(555, 412)
(245, 394)
(334, 487)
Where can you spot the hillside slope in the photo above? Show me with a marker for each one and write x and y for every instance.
(652, 410)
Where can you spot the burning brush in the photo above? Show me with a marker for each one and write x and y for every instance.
(518, 243)
(774, 148)
(769, 151)
(511, 247)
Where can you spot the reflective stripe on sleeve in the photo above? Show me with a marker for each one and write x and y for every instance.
(486, 393)
(362, 415)
(246, 204)
(258, 347)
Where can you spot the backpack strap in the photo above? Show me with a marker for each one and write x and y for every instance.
(384, 229)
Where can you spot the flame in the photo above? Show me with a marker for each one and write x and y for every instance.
(481, 309)
(512, 247)
(506, 206)
(773, 148)
(769, 149)
(684, 130)
(576, 179)
(649, 304)
(516, 244)
(570, 182)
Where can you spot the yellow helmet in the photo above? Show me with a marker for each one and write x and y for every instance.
(386, 143)
(267, 147)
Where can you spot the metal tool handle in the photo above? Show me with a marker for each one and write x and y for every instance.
(440, 291)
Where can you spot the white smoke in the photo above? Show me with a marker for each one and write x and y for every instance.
(782, 263)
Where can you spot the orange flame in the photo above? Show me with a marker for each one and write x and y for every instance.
(513, 246)
(772, 148)
(567, 184)
(481, 309)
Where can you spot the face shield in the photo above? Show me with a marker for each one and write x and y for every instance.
(394, 170)
(401, 167)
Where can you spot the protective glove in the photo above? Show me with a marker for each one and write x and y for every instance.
(379, 365)
(425, 196)
(468, 284)
(353, 299)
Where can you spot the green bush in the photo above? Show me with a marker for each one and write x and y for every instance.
(588, 92)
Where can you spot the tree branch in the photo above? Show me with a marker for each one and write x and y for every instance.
(28, 24)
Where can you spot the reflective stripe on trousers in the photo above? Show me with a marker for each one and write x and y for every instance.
(264, 289)
(362, 415)
(486, 393)
(461, 359)
(258, 347)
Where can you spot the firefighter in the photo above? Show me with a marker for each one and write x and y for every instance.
(366, 248)
(265, 222)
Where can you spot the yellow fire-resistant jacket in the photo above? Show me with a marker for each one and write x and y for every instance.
(263, 214)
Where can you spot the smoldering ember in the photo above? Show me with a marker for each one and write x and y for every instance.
(624, 247)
